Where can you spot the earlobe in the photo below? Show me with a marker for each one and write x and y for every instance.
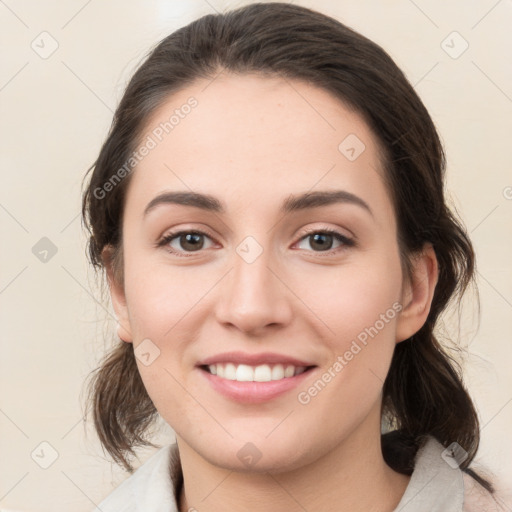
(417, 293)
(123, 333)
(117, 296)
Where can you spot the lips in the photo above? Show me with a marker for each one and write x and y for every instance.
(254, 359)
(254, 378)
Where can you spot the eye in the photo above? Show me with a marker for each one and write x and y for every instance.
(323, 240)
(184, 241)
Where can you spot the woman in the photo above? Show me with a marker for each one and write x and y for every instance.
(268, 208)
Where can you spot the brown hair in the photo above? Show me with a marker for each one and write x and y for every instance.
(423, 393)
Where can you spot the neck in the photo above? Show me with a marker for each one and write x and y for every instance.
(350, 476)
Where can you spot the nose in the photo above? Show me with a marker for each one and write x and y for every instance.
(254, 297)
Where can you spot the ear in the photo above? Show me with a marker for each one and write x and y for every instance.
(417, 293)
(117, 295)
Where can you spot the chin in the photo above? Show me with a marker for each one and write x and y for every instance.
(258, 456)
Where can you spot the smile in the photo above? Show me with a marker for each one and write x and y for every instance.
(254, 378)
(248, 373)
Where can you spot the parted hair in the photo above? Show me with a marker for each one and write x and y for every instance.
(424, 393)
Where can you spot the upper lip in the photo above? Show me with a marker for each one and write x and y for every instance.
(253, 359)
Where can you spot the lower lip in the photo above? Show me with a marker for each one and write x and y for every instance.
(254, 392)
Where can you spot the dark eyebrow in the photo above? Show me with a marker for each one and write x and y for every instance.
(323, 198)
(203, 201)
(291, 204)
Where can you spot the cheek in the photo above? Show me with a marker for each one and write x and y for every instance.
(165, 306)
(359, 306)
(351, 298)
(159, 297)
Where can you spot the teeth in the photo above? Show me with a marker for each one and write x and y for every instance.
(289, 371)
(230, 371)
(261, 373)
(278, 372)
(244, 373)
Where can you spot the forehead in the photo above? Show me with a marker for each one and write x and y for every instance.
(256, 134)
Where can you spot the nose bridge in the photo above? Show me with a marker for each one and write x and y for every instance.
(253, 296)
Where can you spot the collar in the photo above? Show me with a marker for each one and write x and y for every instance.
(435, 485)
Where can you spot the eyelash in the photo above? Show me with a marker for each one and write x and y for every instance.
(347, 242)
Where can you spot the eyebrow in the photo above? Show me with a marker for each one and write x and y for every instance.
(291, 204)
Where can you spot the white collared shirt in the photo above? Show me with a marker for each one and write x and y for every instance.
(435, 486)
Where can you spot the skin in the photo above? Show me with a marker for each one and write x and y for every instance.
(251, 142)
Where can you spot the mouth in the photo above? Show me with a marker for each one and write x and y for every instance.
(253, 379)
(259, 373)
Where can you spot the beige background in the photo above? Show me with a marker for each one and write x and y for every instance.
(56, 111)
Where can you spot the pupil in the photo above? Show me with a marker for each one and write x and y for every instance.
(323, 246)
(192, 239)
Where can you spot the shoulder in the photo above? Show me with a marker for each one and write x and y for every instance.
(148, 489)
(438, 484)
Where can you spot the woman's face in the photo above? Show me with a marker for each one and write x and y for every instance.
(265, 285)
